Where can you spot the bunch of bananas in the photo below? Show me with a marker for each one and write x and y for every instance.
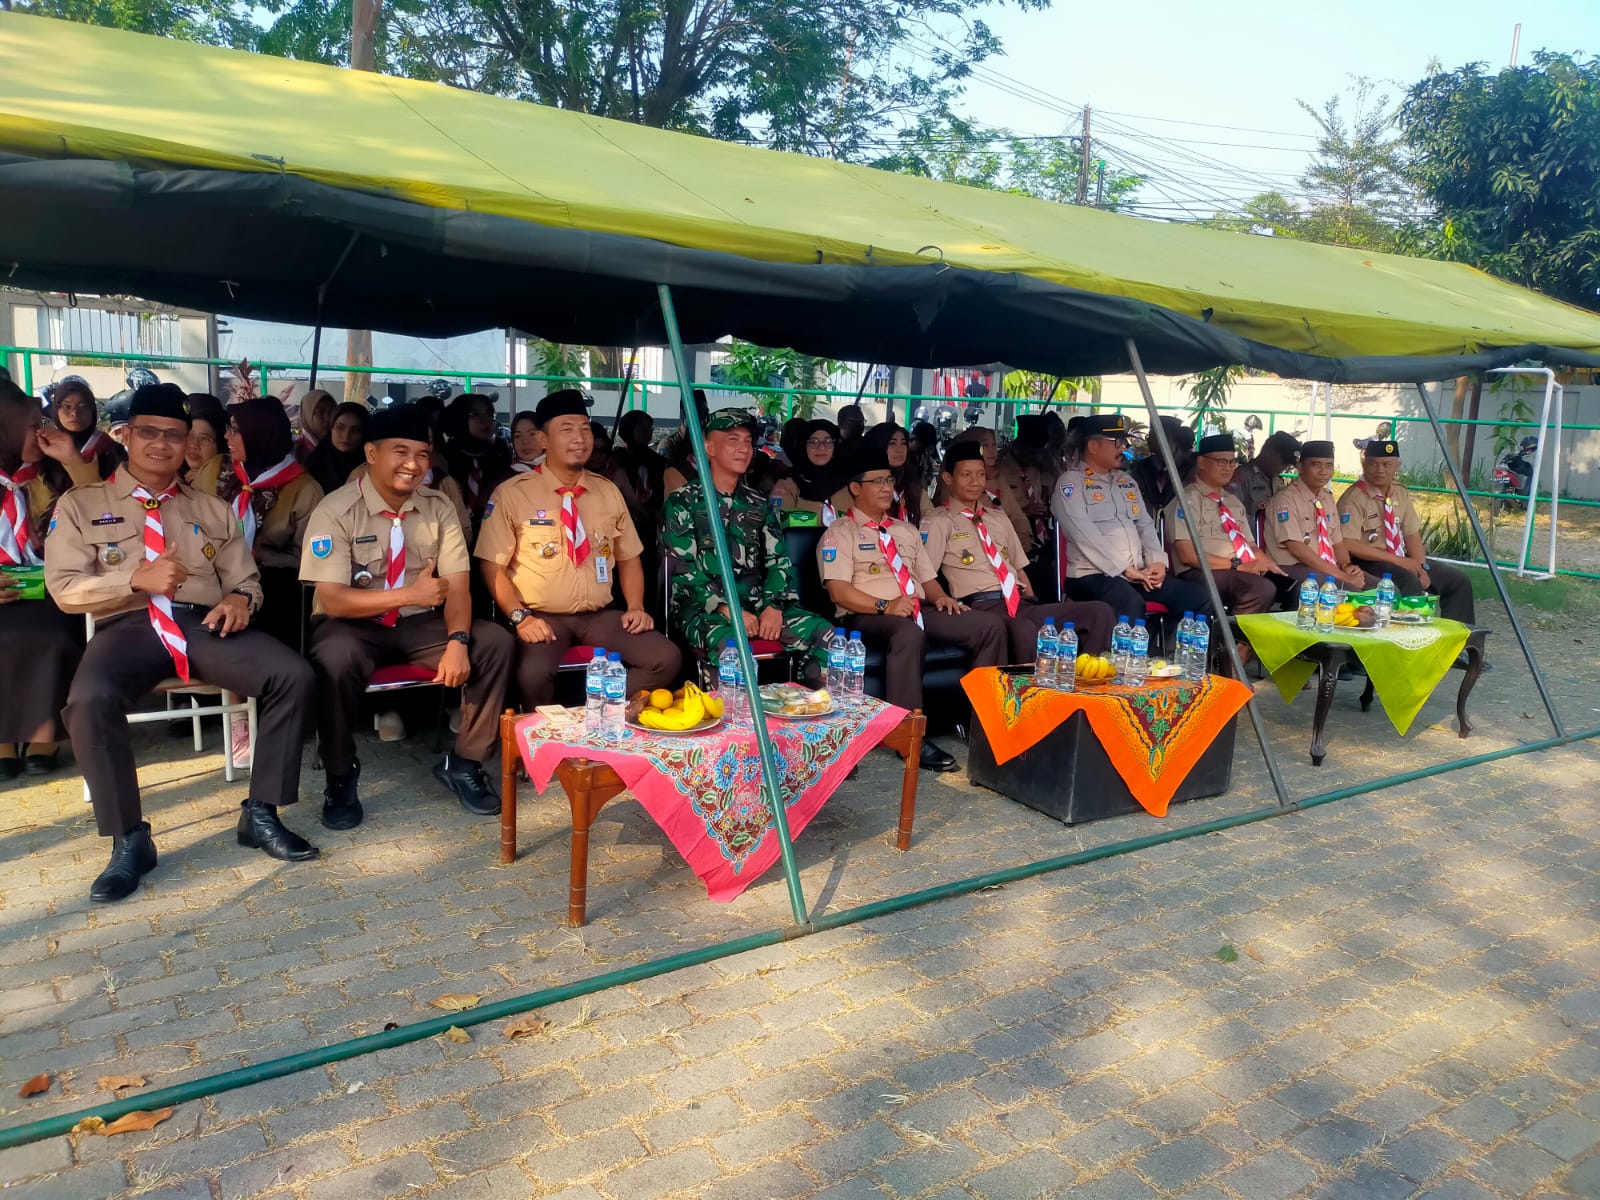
(1095, 668)
(677, 711)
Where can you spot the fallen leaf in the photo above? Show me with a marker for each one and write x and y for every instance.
(456, 1034)
(39, 1083)
(1228, 954)
(115, 1083)
(388, 1025)
(89, 1125)
(1255, 954)
(354, 1088)
(456, 1001)
(136, 1122)
(528, 1026)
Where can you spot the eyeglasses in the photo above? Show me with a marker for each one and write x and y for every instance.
(150, 433)
(819, 443)
(885, 481)
(1218, 460)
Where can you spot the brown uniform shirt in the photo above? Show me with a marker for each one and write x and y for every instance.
(96, 541)
(950, 542)
(1362, 514)
(280, 536)
(349, 534)
(1292, 516)
(522, 532)
(1207, 514)
(850, 551)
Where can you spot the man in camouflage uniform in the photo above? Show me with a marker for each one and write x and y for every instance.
(768, 599)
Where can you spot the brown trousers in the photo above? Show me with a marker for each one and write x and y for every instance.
(1092, 620)
(124, 660)
(1243, 593)
(652, 660)
(346, 652)
(981, 634)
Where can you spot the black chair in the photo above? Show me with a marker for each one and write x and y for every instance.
(943, 666)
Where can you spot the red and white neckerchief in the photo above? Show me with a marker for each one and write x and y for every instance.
(1393, 541)
(1002, 569)
(90, 450)
(16, 533)
(394, 563)
(1230, 526)
(897, 508)
(285, 473)
(1324, 535)
(155, 544)
(897, 566)
(577, 538)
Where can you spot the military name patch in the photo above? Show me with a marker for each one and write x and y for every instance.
(107, 519)
(540, 520)
(321, 547)
(866, 545)
(371, 537)
(829, 553)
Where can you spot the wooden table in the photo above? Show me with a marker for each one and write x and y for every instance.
(589, 785)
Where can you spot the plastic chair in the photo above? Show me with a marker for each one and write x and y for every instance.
(174, 688)
(761, 649)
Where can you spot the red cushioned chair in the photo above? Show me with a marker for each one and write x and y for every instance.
(1152, 608)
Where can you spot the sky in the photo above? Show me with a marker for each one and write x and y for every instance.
(1146, 65)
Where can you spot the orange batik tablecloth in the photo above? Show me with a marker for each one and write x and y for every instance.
(1153, 734)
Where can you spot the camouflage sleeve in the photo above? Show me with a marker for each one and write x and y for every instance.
(694, 587)
(782, 590)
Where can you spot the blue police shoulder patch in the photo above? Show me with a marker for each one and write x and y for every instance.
(1066, 491)
(1344, 518)
(829, 553)
(1283, 516)
(321, 547)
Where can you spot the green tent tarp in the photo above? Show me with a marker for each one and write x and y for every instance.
(135, 164)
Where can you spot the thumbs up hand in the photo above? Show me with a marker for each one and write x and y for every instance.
(161, 576)
(428, 590)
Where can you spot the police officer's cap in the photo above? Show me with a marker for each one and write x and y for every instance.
(1108, 425)
(1381, 449)
(404, 421)
(960, 452)
(732, 418)
(869, 461)
(1217, 443)
(568, 402)
(165, 400)
(1316, 450)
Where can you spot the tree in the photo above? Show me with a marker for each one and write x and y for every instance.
(1356, 181)
(214, 22)
(748, 365)
(1510, 164)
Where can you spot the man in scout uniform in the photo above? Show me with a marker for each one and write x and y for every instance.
(883, 583)
(172, 587)
(553, 541)
(1303, 534)
(392, 576)
(768, 599)
(1247, 578)
(1256, 481)
(1384, 534)
(1113, 552)
(982, 560)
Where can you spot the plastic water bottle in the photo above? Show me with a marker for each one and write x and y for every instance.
(1385, 602)
(1199, 648)
(1047, 656)
(730, 682)
(616, 696)
(1138, 654)
(855, 680)
(594, 694)
(1121, 637)
(836, 663)
(1327, 603)
(1184, 658)
(1307, 617)
(1067, 658)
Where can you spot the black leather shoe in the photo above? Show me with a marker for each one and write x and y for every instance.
(466, 779)
(40, 764)
(10, 768)
(341, 802)
(260, 829)
(935, 759)
(133, 855)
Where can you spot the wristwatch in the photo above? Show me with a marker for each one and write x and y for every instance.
(882, 606)
(517, 616)
(463, 637)
(249, 600)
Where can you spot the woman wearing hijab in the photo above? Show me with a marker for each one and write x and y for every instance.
(525, 451)
(272, 496)
(475, 458)
(342, 451)
(316, 418)
(75, 412)
(910, 500)
(815, 480)
(206, 455)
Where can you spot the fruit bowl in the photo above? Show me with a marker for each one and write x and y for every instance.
(687, 710)
(1095, 668)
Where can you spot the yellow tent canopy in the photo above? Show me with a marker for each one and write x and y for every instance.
(241, 183)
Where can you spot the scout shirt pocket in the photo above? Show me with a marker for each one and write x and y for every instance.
(539, 545)
(114, 546)
(197, 546)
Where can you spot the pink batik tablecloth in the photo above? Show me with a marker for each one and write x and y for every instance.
(704, 792)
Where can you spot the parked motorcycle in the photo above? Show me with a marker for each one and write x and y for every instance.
(1513, 477)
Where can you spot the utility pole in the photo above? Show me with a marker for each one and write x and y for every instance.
(1100, 183)
(1083, 160)
(363, 57)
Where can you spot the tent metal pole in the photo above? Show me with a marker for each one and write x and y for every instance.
(1488, 556)
(770, 778)
(316, 350)
(1223, 627)
(322, 296)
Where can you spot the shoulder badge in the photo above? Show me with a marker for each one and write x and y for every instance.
(1283, 516)
(829, 553)
(321, 547)
(52, 528)
(924, 537)
(1344, 518)
(1180, 514)
(488, 508)
(1066, 491)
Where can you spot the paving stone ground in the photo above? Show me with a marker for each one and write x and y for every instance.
(1414, 1008)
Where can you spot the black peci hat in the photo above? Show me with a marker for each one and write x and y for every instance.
(405, 421)
(1218, 443)
(166, 400)
(568, 402)
(1316, 450)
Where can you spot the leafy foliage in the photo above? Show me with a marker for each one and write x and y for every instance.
(1510, 163)
(750, 366)
(214, 22)
(1209, 389)
(1036, 386)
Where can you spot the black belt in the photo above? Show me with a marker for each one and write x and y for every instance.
(982, 597)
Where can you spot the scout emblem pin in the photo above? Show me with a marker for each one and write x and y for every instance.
(111, 555)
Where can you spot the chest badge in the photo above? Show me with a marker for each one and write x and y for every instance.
(967, 558)
(548, 550)
(873, 569)
(111, 555)
(209, 551)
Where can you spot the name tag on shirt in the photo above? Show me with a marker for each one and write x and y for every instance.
(108, 519)
(866, 545)
(602, 569)
(540, 521)
(371, 537)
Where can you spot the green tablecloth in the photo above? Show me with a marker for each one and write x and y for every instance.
(1404, 662)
